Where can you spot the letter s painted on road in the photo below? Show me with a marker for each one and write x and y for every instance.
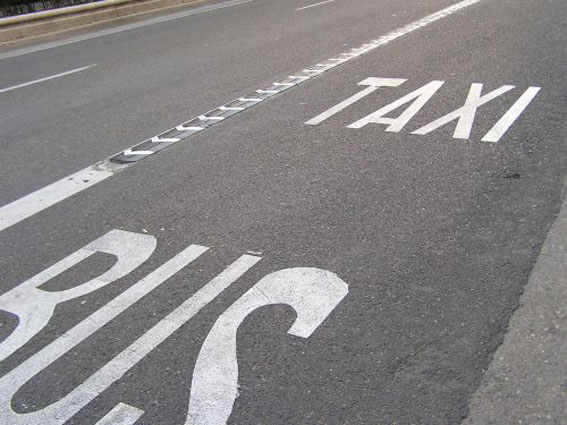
(312, 293)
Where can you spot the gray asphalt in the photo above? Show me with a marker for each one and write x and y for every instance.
(525, 382)
(435, 237)
(152, 78)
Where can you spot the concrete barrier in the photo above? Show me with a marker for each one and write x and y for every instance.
(67, 18)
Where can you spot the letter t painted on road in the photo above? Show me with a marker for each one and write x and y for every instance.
(373, 85)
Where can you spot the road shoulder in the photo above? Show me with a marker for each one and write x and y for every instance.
(526, 383)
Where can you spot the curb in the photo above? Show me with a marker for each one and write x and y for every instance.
(67, 18)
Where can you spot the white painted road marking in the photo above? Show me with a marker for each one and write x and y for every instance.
(158, 139)
(129, 151)
(315, 4)
(51, 77)
(185, 128)
(64, 409)
(54, 193)
(421, 96)
(373, 83)
(205, 118)
(465, 114)
(128, 27)
(312, 293)
(226, 108)
(122, 414)
(41, 199)
(34, 306)
(502, 126)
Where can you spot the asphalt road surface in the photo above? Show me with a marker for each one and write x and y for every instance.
(345, 246)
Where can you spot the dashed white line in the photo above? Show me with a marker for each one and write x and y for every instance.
(54, 193)
(312, 71)
(186, 128)
(158, 139)
(205, 118)
(51, 77)
(129, 151)
(314, 4)
(226, 108)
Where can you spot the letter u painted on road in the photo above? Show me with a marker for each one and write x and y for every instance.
(312, 293)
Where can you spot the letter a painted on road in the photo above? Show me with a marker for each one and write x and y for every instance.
(421, 96)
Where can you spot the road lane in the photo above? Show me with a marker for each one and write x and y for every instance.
(433, 236)
(43, 79)
(141, 88)
(60, 190)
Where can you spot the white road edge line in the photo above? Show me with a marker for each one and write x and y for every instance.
(122, 28)
(41, 80)
(58, 191)
(314, 4)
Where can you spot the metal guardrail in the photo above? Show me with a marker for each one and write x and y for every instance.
(92, 4)
(23, 7)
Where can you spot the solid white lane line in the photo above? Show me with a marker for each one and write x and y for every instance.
(314, 4)
(128, 27)
(41, 199)
(51, 77)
